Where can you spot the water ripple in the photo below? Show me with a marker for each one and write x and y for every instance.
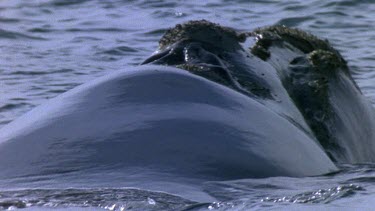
(319, 196)
(10, 106)
(41, 30)
(96, 30)
(16, 35)
(63, 70)
(294, 21)
(120, 51)
(158, 4)
(62, 3)
(349, 3)
(105, 198)
(9, 20)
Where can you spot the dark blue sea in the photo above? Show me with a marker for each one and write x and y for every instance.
(50, 46)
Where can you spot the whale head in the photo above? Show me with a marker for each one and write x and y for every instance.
(301, 77)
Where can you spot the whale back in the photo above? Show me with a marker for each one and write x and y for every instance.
(155, 124)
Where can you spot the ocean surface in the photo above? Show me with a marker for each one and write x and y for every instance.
(50, 46)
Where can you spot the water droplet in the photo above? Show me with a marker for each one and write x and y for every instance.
(179, 14)
(151, 201)
(113, 207)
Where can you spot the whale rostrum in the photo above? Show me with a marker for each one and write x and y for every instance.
(310, 70)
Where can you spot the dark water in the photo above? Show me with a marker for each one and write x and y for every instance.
(50, 46)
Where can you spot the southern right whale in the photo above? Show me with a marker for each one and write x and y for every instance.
(202, 108)
(296, 74)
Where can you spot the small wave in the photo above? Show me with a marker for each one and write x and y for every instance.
(9, 20)
(56, 91)
(96, 30)
(332, 14)
(168, 13)
(15, 35)
(114, 54)
(293, 21)
(120, 51)
(10, 106)
(157, 4)
(348, 3)
(369, 179)
(64, 70)
(319, 196)
(105, 198)
(40, 30)
(295, 7)
(29, 73)
(60, 3)
(4, 122)
(156, 32)
(80, 39)
(212, 206)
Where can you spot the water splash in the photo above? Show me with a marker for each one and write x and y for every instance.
(104, 198)
(319, 196)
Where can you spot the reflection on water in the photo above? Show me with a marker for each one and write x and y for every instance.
(333, 191)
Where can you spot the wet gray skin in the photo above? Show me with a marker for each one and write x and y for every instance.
(213, 52)
(299, 76)
(318, 80)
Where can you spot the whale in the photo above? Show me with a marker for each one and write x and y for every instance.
(178, 129)
(203, 107)
(296, 74)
